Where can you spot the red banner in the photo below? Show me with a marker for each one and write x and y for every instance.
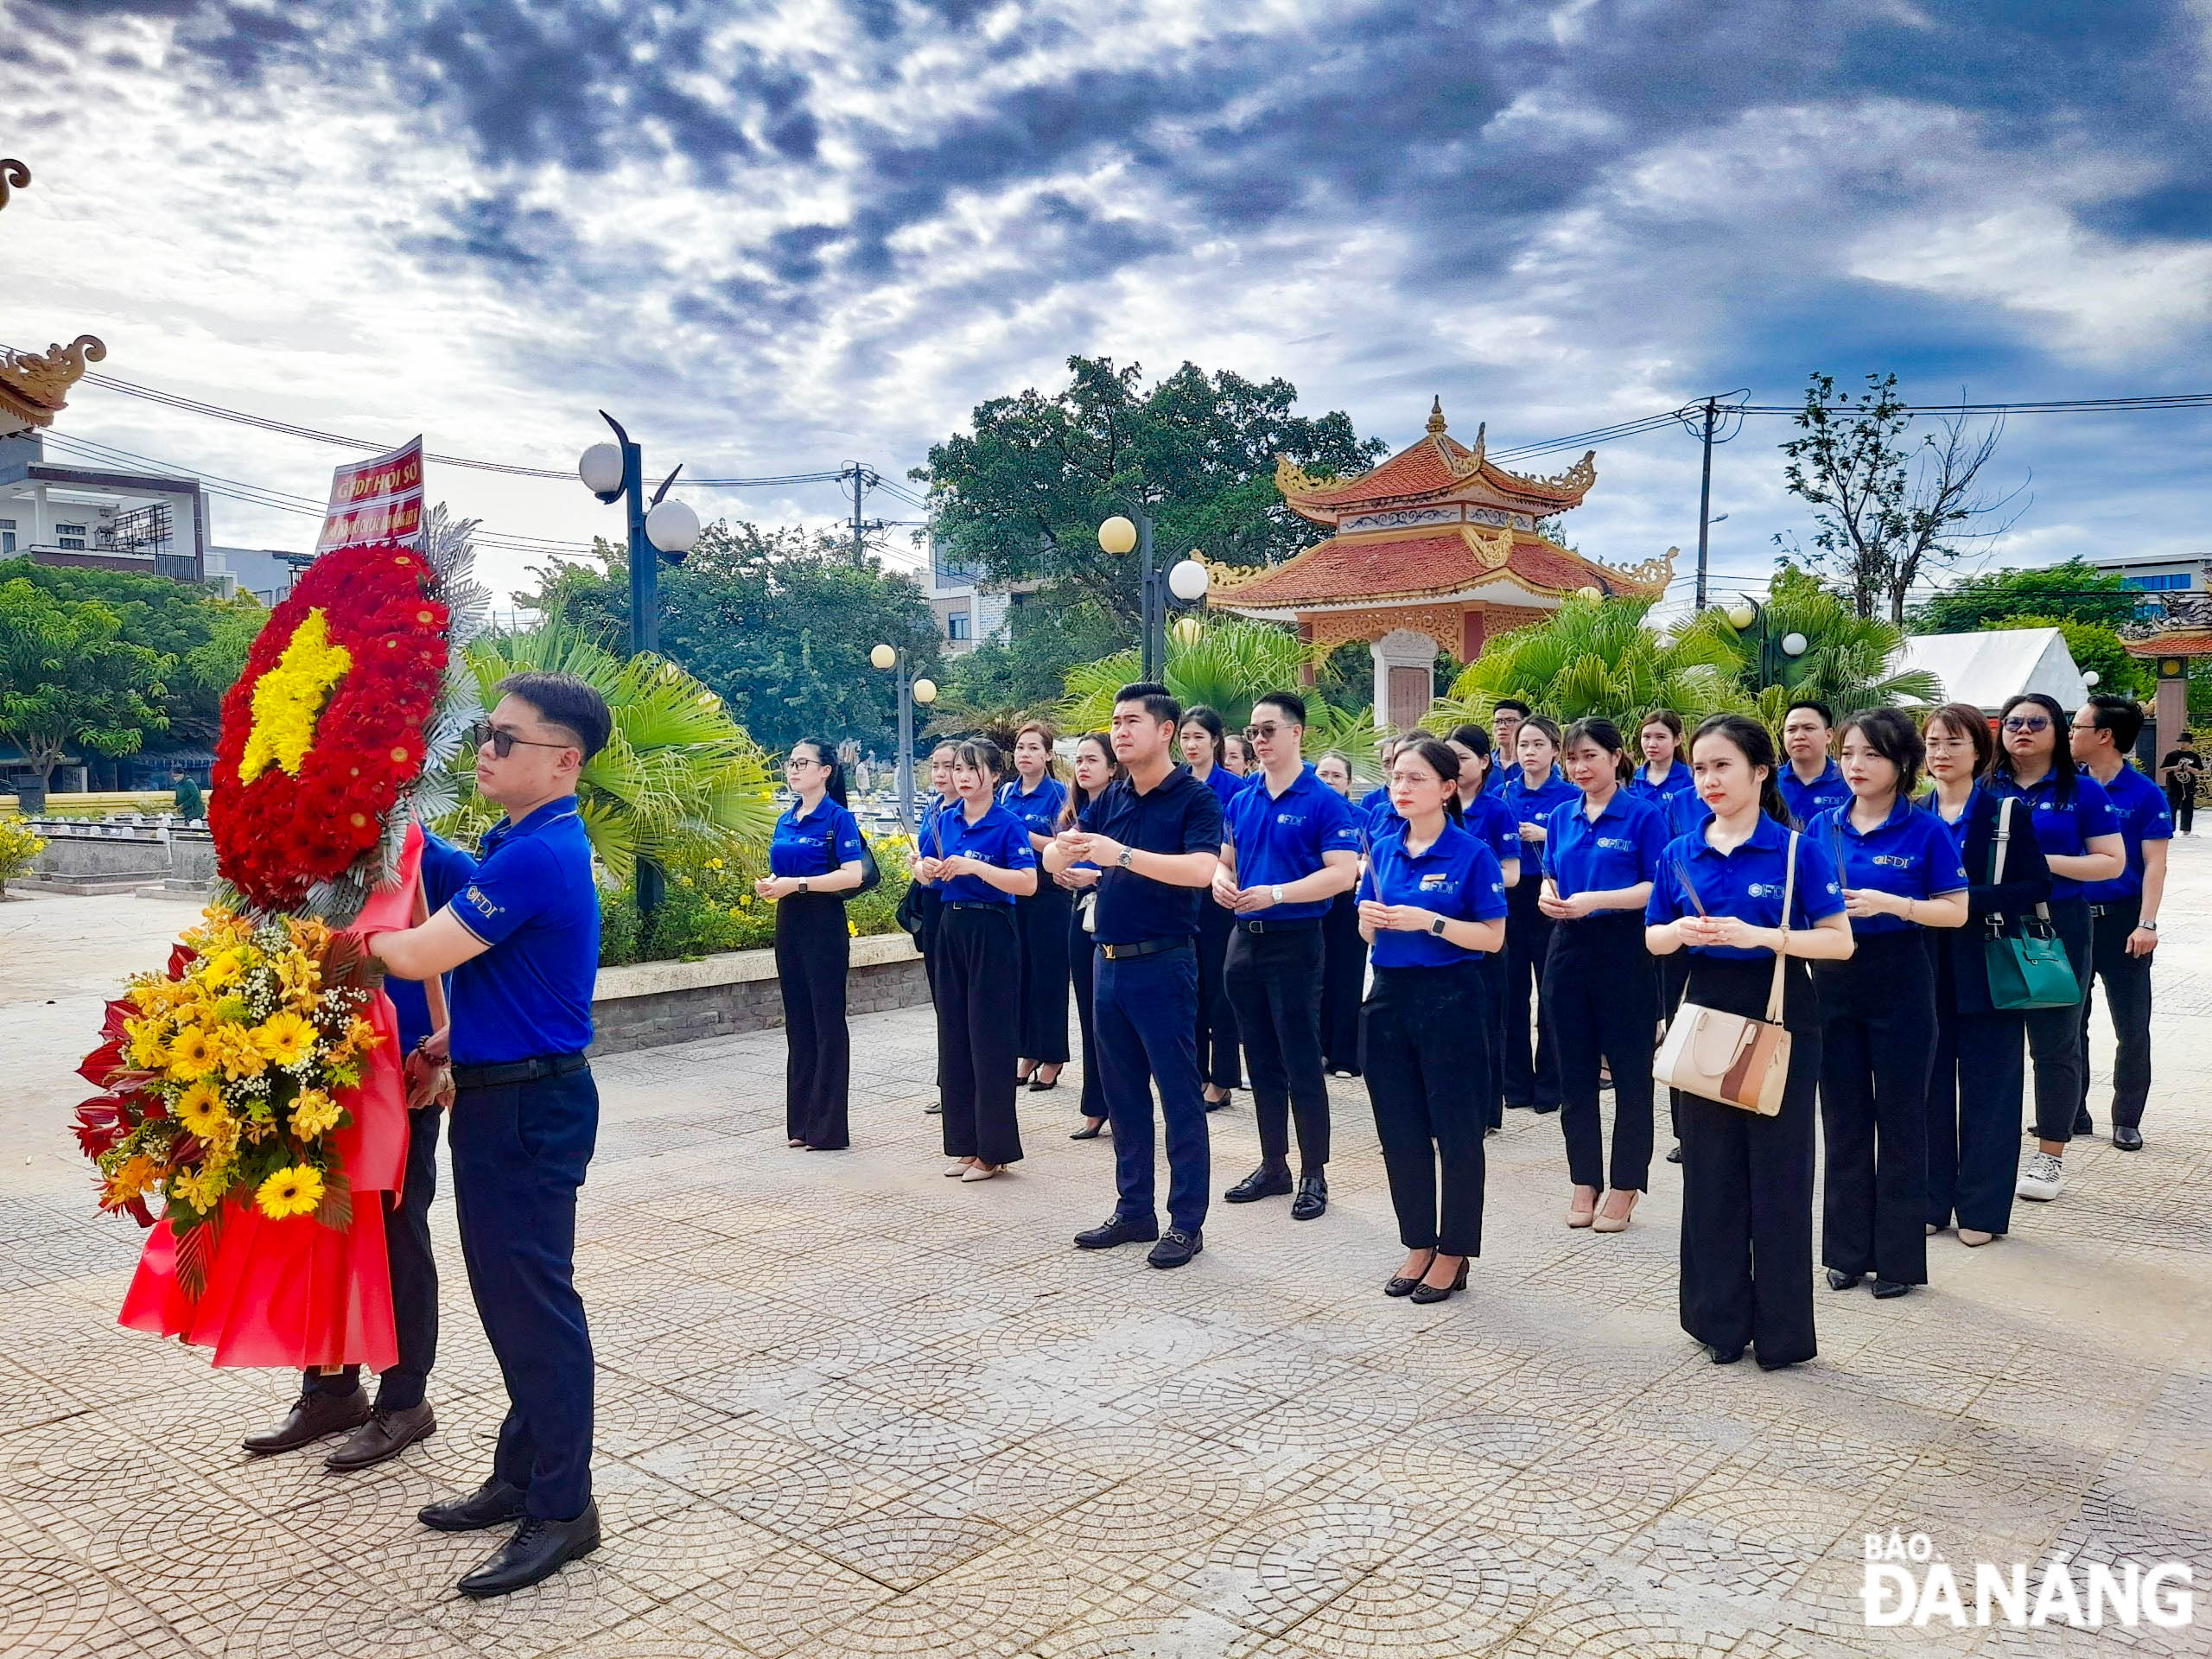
(379, 499)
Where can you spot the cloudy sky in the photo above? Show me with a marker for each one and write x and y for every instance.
(777, 236)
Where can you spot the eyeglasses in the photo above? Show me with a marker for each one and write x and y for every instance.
(2027, 723)
(1264, 733)
(503, 741)
(799, 763)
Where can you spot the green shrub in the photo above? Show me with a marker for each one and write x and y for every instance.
(20, 847)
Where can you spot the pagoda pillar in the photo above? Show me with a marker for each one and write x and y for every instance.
(1405, 678)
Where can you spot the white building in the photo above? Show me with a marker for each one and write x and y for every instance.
(144, 524)
(2186, 573)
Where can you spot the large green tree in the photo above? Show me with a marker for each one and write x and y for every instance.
(1019, 496)
(777, 623)
(69, 678)
(2075, 590)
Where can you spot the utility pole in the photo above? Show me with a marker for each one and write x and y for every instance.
(1702, 421)
(859, 475)
(1705, 502)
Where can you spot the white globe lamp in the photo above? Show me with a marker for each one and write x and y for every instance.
(1741, 615)
(883, 657)
(2090, 676)
(673, 527)
(1794, 644)
(1589, 593)
(600, 469)
(1188, 580)
(1117, 534)
(926, 691)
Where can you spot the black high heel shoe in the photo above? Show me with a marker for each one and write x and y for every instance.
(1039, 1084)
(1424, 1293)
(1398, 1285)
(1088, 1131)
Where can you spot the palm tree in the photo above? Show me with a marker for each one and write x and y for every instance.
(1222, 662)
(1846, 662)
(678, 782)
(1590, 658)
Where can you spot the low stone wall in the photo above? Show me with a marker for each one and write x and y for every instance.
(652, 1004)
(80, 852)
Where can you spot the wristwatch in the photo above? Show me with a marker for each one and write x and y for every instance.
(2148, 927)
(802, 884)
(1275, 892)
(1437, 926)
(1122, 862)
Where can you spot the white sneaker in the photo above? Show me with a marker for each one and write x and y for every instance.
(2044, 1178)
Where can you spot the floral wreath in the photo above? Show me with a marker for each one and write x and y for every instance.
(330, 728)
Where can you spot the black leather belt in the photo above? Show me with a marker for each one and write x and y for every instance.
(512, 1071)
(976, 903)
(1261, 925)
(1141, 948)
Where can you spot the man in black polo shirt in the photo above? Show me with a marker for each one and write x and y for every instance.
(1155, 836)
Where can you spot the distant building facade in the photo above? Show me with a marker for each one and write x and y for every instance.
(143, 524)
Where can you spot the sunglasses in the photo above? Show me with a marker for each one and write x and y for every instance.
(503, 741)
(1263, 734)
(2036, 723)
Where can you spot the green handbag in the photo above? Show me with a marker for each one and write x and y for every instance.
(2029, 969)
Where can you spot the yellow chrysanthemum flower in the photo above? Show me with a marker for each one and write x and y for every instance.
(192, 1054)
(288, 698)
(294, 1191)
(315, 1113)
(199, 1109)
(285, 1038)
(149, 1053)
(223, 969)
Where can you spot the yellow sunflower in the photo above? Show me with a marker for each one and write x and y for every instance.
(199, 1109)
(314, 1114)
(294, 1191)
(192, 1054)
(285, 1038)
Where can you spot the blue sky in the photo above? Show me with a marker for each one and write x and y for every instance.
(777, 236)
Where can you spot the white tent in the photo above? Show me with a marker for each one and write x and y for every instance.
(1986, 669)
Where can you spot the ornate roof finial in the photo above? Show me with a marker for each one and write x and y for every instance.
(1436, 418)
(13, 175)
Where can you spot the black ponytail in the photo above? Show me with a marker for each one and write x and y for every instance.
(834, 776)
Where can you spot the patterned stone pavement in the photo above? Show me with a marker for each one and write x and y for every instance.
(848, 1408)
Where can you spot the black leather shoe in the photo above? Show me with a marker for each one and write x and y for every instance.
(1675, 1153)
(2127, 1137)
(1087, 1133)
(1399, 1285)
(538, 1550)
(313, 1415)
(1176, 1248)
(1425, 1292)
(2083, 1123)
(1885, 1288)
(1720, 1355)
(386, 1434)
(491, 1504)
(1838, 1280)
(1267, 1181)
(1313, 1197)
(1118, 1230)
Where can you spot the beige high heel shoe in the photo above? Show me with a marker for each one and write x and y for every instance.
(1579, 1216)
(1602, 1223)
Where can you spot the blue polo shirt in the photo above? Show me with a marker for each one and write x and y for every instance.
(818, 844)
(1679, 782)
(1533, 805)
(1746, 883)
(1375, 802)
(529, 895)
(1808, 801)
(1687, 813)
(2143, 815)
(408, 999)
(1178, 815)
(998, 838)
(1040, 809)
(1490, 822)
(1280, 838)
(2064, 827)
(1622, 847)
(1455, 875)
(1911, 853)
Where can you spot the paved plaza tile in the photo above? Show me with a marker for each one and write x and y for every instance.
(847, 1407)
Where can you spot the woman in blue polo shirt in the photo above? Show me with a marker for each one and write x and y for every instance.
(1204, 743)
(1344, 953)
(1095, 768)
(987, 865)
(1485, 816)
(1601, 859)
(1036, 797)
(1530, 793)
(1665, 772)
(1901, 877)
(1747, 1180)
(813, 861)
(1431, 903)
(2079, 836)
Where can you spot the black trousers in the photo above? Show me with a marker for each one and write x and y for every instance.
(1217, 1016)
(978, 959)
(813, 952)
(1082, 974)
(1975, 1093)
(1531, 1072)
(1877, 1029)
(414, 1269)
(519, 1153)
(1673, 973)
(2055, 1045)
(1425, 1039)
(1042, 923)
(1143, 1006)
(1344, 975)
(1747, 1183)
(2128, 999)
(2183, 803)
(1490, 969)
(1600, 990)
(1275, 984)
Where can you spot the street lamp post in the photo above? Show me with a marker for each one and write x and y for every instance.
(912, 690)
(1746, 613)
(1187, 582)
(658, 528)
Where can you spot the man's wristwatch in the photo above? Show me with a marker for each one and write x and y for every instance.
(1275, 893)
(802, 884)
(2148, 927)
(1122, 862)
(1437, 926)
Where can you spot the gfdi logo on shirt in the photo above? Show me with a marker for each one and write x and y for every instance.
(1907, 1583)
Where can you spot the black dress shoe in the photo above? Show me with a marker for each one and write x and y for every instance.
(1675, 1153)
(313, 1415)
(538, 1550)
(1313, 1197)
(491, 1504)
(1399, 1285)
(1118, 1230)
(1720, 1355)
(2083, 1123)
(2127, 1137)
(1838, 1280)
(1267, 1181)
(386, 1434)
(1424, 1293)
(1089, 1133)
(1885, 1288)
(1176, 1248)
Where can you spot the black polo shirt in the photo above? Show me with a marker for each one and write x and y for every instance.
(1178, 815)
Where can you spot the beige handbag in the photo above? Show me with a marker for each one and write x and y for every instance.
(1727, 1057)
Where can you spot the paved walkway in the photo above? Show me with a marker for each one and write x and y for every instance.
(849, 1408)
